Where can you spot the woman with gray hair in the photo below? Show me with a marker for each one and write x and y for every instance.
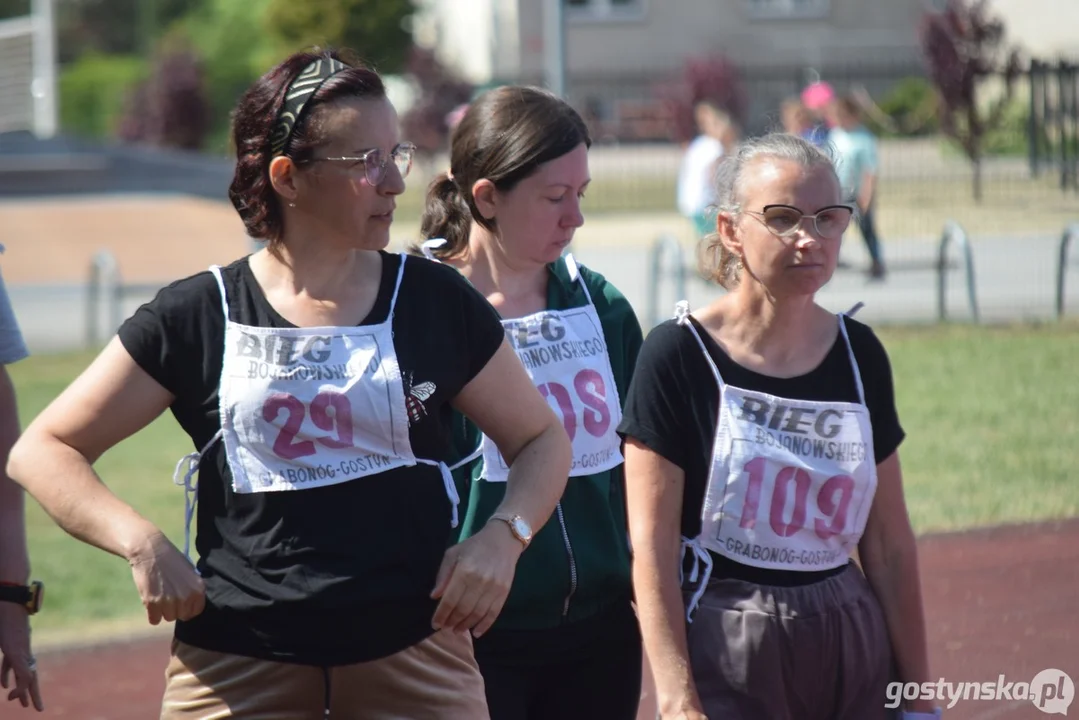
(746, 501)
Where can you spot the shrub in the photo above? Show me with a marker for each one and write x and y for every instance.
(170, 108)
(440, 92)
(94, 90)
(712, 77)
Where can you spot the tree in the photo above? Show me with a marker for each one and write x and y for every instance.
(234, 50)
(14, 8)
(374, 29)
(114, 27)
(440, 92)
(963, 46)
(170, 108)
(713, 78)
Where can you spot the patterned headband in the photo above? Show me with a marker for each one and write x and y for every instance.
(299, 91)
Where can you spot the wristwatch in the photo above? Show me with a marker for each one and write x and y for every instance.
(29, 596)
(518, 526)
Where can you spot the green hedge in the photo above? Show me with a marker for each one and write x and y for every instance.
(93, 91)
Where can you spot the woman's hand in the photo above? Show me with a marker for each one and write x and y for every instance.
(168, 585)
(17, 659)
(685, 715)
(475, 578)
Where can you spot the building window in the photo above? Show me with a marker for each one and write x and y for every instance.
(788, 8)
(605, 9)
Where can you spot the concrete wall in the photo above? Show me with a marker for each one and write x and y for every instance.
(1047, 29)
(666, 31)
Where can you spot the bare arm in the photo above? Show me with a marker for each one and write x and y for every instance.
(14, 558)
(866, 191)
(654, 487)
(506, 406)
(868, 187)
(889, 555)
(476, 575)
(113, 399)
(14, 563)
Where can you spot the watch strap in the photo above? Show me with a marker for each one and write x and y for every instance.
(18, 594)
(29, 596)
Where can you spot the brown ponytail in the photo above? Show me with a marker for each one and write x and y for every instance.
(445, 215)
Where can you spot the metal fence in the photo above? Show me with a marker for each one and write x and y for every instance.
(941, 285)
(1053, 134)
(1030, 160)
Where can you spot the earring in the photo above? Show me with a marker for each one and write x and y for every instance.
(292, 204)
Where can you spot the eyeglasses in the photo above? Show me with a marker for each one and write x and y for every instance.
(374, 164)
(784, 221)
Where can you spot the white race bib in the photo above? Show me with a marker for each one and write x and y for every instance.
(565, 354)
(791, 482)
(308, 407)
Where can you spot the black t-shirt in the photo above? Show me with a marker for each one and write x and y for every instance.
(673, 407)
(336, 574)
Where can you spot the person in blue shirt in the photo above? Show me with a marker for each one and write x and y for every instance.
(14, 560)
(855, 149)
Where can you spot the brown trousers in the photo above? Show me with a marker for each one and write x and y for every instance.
(437, 679)
(811, 652)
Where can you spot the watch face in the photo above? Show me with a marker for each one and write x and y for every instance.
(38, 597)
(521, 528)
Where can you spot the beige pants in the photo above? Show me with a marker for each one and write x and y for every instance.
(437, 679)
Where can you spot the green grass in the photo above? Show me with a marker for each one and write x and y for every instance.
(83, 583)
(992, 422)
(991, 414)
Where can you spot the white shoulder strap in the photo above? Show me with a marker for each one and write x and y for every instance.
(853, 360)
(216, 270)
(576, 276)
(428, 246)
(397, 286)
(681, 315)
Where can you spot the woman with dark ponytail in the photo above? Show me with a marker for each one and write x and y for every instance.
(567, 643)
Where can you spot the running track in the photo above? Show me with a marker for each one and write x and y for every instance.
(1001, 600)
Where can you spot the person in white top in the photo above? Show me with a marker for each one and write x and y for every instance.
(696, 176)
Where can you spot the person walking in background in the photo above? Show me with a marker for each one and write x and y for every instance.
(762, 441)
(696, 176)
(798, 120)
(567, 645)
(856, 160)
(316, 379)
(816, 98)
(17, 658)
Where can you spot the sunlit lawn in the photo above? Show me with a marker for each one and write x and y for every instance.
(991, 414)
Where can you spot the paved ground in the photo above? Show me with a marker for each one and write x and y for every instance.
(998, 602)
(158, 240)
